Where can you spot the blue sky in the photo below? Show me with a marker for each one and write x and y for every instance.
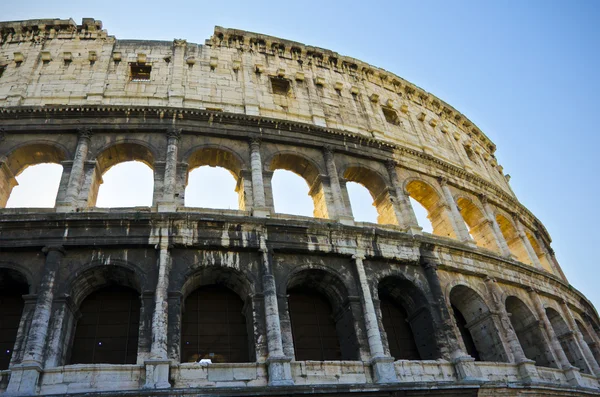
(526, 72)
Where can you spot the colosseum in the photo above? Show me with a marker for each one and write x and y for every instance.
(169, 300)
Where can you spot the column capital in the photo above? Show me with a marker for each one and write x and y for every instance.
(391, 165)
(442, 180)
(49, 248)
(430, 265)
(358, 256)
(483, 198)
(489, 279)
(174, 133)
(255, 141)
(180, 42)
(328, 151)
(85, 132)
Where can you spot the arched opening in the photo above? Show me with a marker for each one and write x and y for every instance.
(37, 187)
(479, 227)
(47, 159)
(211, 187)
(406, 320)
(513, 240)
(321, 318)
(476, 325)
(529, 333)
(292, 196)
(566, 339)
(13, 286)
(421, 215)
(124, 177)
(209, 181)
(543, 258)
(128, 184)
(378, 188)
(436, 209)
(361, 202)
(214, 326)
(107, 330)
(589, 340)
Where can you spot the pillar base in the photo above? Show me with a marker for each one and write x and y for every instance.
(167, 206)
(528, 372)
(280, 371)
(157, 374)
(415, 230)
(384, 370)
(346, 220)
(466, 370)
(23, 379)
(261, 212)
(573, 376)
(65, 206)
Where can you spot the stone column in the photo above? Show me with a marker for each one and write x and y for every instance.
(24, 325)
(339, 211)
(25, 376)
(572, 373)
(408, 218)
(458, 222)
(530, 251)
(258, 189)
(383, 366)
(176, 86)
(279, 369)
(64, 315)
(76, 176)
(586, 352)
(499, 237)
(466, 369)
(168, 204)
(527, 369)
(157, 367)
(7, 182)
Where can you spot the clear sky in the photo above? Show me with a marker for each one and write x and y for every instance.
(526, 72)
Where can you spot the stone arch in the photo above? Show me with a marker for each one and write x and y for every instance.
(416, 330)
(539, 252)
(321, 287)
(566, 338)
(229, 277)
(589, 340)
(513, 239)
(529, 333)
(24, 274)
(436, 207)
(476, 325)
(13, 285)
(378, 187)
(308, 170)
(113, 154)
(23, 156)
(480, 227)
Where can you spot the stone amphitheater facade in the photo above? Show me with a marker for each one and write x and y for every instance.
(127, 301)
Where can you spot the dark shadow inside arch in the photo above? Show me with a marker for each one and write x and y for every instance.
(528, 332)
(474, 321)
(13, 285)
(567, 340)
(408, 324)
(587, 337)
(321, 317)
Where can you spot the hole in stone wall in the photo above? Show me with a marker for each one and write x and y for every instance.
(211, 187)
(140, 72)
(290, 194)
(361, 202)
(470, 153)
(127, 184)
(280, 86)
(2, 69)
(391, 116)
(38, 185)
(421, 214)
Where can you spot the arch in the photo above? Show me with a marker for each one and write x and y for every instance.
(529, 334)
(566, 339)
(214, 326)
(378, 187)
(107, 330)
(116, 153)
(587, 337)
(23, 156)
(307, 170)
(318, 296)
(406, 320)
(539, 252)
(513, 240)
(476, 325)
(13, 285)
(431, 199)
(479, 226)
(218, 156)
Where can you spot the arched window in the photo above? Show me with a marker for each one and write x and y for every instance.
(378, 189)
(513, 240)
(566, 339)
(435, 206)
(399, 334)
(291, 194)
(529, 334)
(543, 258)
(107, 331)
(12, 287)
(361, 202)
(214, 326)
(127, 184)
(37, 188)
(421, 215)
(588, 340)
(474, 321)
(212, 187)
(477, 224)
